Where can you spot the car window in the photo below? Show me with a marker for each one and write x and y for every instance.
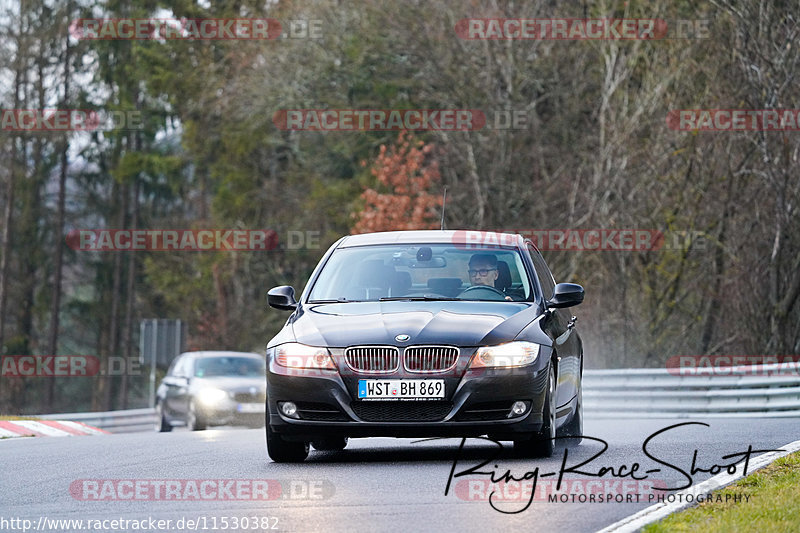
(173, 366)
(183, 367)
(369, 273)
(229, 366)
(542, 272)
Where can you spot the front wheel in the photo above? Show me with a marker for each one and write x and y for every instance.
(162, 425)
(542, 443)
(194, 421)
(284, 451)
(574, 429)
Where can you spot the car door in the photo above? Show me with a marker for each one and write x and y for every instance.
(561, 327)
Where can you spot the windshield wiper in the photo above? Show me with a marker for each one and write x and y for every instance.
(333, 301)
(419, 299)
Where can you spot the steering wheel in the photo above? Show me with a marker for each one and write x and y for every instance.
(491, 291)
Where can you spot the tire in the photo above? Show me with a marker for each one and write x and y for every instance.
(331, 444)
(542, 443)
(284, 451)
(574, 429)
(193, 421)
(162, 426)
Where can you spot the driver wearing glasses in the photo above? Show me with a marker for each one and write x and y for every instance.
(483, 270)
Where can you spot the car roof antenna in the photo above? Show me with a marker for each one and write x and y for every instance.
(444, 202)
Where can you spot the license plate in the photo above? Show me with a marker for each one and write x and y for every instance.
(251, 408)
(401, 389)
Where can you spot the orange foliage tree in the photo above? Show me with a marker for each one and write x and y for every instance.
(408, 175)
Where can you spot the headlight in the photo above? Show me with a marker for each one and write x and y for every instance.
(211, 396)
(518, 353)
(296, 355)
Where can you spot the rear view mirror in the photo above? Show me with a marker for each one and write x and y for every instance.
(434, 262)
(424, 253)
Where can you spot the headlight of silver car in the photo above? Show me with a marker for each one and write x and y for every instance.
(211, 396)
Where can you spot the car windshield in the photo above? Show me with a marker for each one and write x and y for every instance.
(229, 366)
(428, 272)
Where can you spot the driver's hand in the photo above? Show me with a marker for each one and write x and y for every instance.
(509, 298)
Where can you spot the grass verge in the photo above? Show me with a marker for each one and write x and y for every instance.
(773, 506)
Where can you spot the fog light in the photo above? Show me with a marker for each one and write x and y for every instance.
(289, 409)
(518, 408)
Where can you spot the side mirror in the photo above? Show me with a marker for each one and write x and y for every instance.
(282, 298)
(177, 381)
(566, 295)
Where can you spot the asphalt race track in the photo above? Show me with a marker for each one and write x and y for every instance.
(375, 485)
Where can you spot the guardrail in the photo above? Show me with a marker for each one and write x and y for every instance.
(742, 391)
(128, 421)
(745, 391)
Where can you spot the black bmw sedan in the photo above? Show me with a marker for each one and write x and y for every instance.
(424, 334)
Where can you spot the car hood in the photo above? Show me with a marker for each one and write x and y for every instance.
(468, 323)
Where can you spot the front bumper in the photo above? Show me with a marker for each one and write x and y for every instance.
(476, 403)
(228, 413)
